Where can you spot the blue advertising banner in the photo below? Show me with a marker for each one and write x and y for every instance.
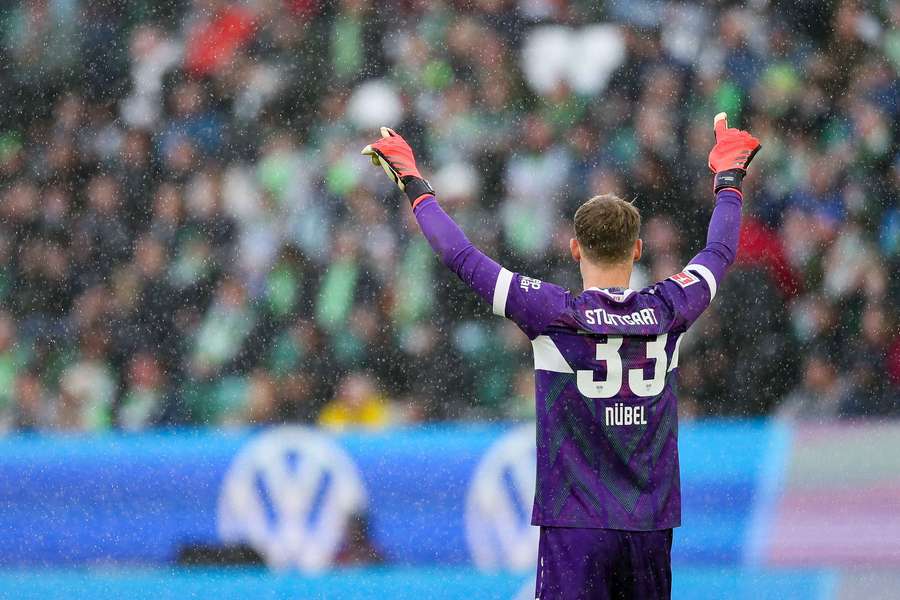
(433, 495)
(404, 583)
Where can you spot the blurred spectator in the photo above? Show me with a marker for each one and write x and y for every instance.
(223, 331)
(87, 387)
(262, 400)
(357, 404)
(822, 393)
(142, 401)
(873, 393)
(31, 411)
(216, 31)
(12, 359)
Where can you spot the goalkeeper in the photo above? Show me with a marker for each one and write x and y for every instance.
(606, 362)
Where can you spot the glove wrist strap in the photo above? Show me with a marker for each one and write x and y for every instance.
(732, 178)
(416, 187)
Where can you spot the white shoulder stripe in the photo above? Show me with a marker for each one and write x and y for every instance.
(707, 276)
(547, 356)
(501, 291)
(674, 364)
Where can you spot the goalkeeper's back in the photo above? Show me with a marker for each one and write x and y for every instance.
(605, 366)
(605, 370)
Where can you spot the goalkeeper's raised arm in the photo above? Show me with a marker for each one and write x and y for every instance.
(728, 160)
(504, 291)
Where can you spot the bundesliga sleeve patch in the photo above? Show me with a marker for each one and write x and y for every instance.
(685, 279)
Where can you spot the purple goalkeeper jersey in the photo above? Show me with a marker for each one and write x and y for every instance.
(606, 365)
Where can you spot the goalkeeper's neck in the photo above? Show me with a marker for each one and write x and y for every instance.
(603, 274)
(606, 275)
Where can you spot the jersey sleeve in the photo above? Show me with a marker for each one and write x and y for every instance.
(687, 294)
(530, 303)
(691, 291)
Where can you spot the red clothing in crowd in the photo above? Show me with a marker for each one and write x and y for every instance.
(760, 246)
(211, 44)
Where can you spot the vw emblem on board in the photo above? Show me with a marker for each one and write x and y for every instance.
(498, 506)
(289, 494)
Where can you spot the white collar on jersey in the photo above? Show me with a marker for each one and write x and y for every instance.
(618, 297)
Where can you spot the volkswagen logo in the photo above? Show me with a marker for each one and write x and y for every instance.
(498, 506)
(289, 494)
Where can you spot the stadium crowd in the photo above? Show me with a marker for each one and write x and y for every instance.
(188, 234)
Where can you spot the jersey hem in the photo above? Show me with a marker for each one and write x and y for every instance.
(537, 522)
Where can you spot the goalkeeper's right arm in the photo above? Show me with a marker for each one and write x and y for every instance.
(532, 304)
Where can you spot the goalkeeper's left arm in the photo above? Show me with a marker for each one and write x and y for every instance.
(527, 301)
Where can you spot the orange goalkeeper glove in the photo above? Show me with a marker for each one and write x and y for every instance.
(731, 155)
(395, 156)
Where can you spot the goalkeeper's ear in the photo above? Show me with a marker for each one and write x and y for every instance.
(575, 249)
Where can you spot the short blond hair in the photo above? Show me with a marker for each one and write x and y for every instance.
(606, 228)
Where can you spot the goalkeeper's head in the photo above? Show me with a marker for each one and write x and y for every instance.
(607, 233)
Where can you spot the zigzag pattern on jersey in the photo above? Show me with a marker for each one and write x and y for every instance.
(627, 495)
(568, 429)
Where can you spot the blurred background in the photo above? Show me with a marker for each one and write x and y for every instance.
(196, 264)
